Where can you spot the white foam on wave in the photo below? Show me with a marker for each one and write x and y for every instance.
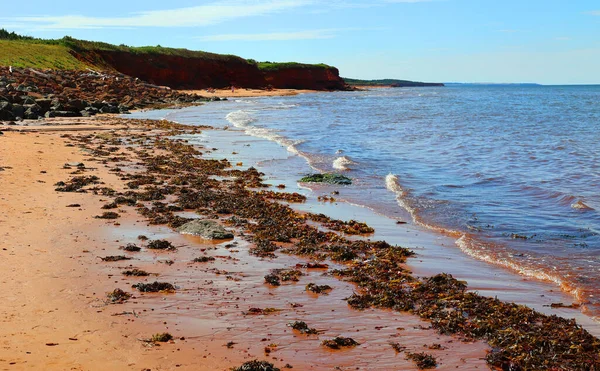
(242, 119)
(392, 183)
(493, 255)
(343, 163)
(580, 205)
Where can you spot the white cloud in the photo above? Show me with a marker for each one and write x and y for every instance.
(202, 15)
(274, 36)
(594, 12)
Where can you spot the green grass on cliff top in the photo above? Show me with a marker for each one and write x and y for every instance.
(27, 54)
(274, 66)
(24, 51)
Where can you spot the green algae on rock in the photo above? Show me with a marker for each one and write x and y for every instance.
(326, 178)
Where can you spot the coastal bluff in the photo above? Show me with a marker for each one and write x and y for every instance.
(169, 67)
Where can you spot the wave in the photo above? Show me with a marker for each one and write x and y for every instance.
(342, 163)
(242, 119)
(517, 262)
(579, 205)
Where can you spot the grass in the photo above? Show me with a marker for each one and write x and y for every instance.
(274, 66)
(34, 55)
(24, 51)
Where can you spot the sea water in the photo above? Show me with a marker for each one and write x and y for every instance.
(511, 173)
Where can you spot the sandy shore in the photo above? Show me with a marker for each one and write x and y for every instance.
(56, 316)
(242, 92)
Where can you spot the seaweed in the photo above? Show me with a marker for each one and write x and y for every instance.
(204, 259)
(136, 273)
(115, 258)
(76, 184)
(256, 365)
(164, 337)
(318, 289)
(423, 361)
(302, 327)
(161, 245)
(131, 247)
(339, 342)
(108, 215)
(154, 287)
(118, 296)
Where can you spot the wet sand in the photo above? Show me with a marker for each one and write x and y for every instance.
(55, 314)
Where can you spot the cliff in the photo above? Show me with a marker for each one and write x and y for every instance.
(302, 76)
(175, 68)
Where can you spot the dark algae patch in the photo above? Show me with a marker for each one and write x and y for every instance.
(118, 296)
(161, 245)
(303, 328)
(154, 287)
(520, 338)
(163, 337)
(256, 365)
(339, 342)
(326, 178)
(422, 360)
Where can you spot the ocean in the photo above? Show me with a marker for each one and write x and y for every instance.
(510, 173)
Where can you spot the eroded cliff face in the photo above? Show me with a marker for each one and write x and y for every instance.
(317, 78)
(200, 73)
(185, 73)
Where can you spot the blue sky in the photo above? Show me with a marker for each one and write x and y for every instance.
(550, 42)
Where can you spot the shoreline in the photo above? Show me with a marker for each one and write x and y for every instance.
(129, 227)
(245, 93)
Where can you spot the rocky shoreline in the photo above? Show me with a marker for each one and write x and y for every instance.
(29, 94)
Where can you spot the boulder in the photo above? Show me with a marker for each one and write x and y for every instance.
(208, 229)
(63, 114)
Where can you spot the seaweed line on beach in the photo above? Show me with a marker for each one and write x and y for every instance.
(521, 338)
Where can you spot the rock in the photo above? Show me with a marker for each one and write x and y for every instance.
(5, 106)
(44, 103)
(50, 114)
(208, 229)
(64, 114)
(109, 109)
(18, 110)
(29, 100)
(327, 178)
(6, 115)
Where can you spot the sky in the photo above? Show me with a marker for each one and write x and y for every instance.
(542, 41)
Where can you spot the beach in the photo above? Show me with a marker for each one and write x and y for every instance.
(219, 313)
(59, 318)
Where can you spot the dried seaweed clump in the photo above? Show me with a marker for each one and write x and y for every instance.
(118, 296)
(115, 258)
(260, 311)
(302, 327)
(256, 365)
(423, 361)
(278, 275)
(136, 273)
(77, 183)
(339, 342)
(318, 289)
(263, 248)
(204, 259)
(108, 215)
(161, 245)
(164, 337)
(283, 196)
(131, 247)
(154, 287)
(350, 227)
